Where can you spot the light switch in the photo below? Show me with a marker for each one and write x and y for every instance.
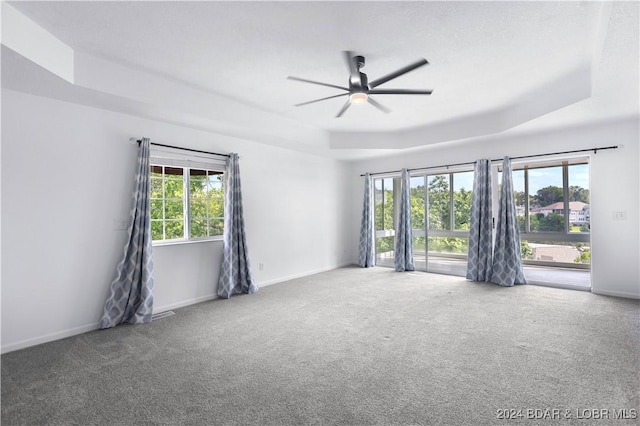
(620, 215)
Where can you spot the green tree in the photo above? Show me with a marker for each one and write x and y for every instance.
(439, 211)
(462, 208)
(585, 257)
(526, 250)
(548, 195)
(519, 196)
(577, 193)
(417, 207)
(553, 222)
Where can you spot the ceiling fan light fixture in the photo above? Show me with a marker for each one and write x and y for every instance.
(358, 98)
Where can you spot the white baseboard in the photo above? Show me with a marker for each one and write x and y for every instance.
(48, 337)
(91, 327)
(183, 303)
(304, 274)
(624, 294)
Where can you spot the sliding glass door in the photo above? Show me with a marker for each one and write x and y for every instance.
(448, 201)
(552, 205)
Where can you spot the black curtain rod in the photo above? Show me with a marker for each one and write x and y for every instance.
(185, 149)
(595, 151)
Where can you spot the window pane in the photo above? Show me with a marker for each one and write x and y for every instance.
(384, 250)
(214, 180)
(156, 188)
(173, 188)
(554, 251)
(579, 212)
(156, 209)
(462, 187)
(174, 229)
(377, 196)
(205, 197)
(156, 230)
(419, 253)
(198, 228)
(197, 182)
(546, 208)
(383, 193)
(447, 255)
(417, 202)
(439, 206)
(448, 245)
(519, 196)
(174, 209)
(216, 227)
(389, 222)
(198, 209)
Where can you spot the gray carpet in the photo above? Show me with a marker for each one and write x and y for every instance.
(348, 347)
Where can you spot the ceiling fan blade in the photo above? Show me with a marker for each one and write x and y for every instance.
(317, 82)
(354, 73)
(322, 99)
(398, 73)
(377, 105)
(399, 92)
(344, 108)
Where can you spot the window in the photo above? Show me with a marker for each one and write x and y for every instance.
(385, 217)
(187, 197)
(440, 215)
(449, 206)
(552, 205)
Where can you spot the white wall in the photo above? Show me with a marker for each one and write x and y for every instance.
(615, 186)
(67, 174)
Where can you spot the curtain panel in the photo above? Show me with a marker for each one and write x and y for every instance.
(235, 271)
(480, 230)
(131, 294)
(403, 250)
(366, 248)
(507, 259)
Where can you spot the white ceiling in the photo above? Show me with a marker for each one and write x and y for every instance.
(483, 55)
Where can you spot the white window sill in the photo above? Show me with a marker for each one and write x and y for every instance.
(180, 242)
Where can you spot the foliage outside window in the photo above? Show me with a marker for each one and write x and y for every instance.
(186, 203)
(552, 207)
(384, 216)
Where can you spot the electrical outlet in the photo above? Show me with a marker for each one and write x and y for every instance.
(261, 266)
(620, 215)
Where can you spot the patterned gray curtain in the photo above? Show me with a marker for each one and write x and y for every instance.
(367, 258)
(507, 259)
(403, 256)
(235, 271)
(131, 298)
(480, 232)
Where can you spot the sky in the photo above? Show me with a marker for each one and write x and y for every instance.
(538, 178)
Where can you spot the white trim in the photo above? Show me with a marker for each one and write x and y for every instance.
(306, 274)
(182, 304)
(160, 243)
(49, 337)
(165, 156)
(625, 294)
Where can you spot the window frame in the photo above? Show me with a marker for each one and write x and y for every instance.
(187, 161)
(565, 236)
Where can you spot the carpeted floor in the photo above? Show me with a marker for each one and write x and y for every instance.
(346, 347)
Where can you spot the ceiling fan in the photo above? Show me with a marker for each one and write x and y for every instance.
(360, 90)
